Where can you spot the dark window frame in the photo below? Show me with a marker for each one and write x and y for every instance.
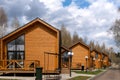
(15, 52)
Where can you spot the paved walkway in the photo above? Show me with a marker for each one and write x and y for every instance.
(18, 78)
(64, 76)
(112, 74)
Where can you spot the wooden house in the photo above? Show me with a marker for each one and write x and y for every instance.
(105, 59)
(80, 51)
(36, 44)
(95, 59)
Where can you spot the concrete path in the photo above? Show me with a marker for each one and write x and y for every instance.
(64, 76)
(18, 78)
(111, 74)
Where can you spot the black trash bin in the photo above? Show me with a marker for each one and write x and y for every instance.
(38, 73)
(104, 66)
(82, 68)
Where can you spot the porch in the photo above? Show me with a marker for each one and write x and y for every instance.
(18, 66)
(22, 66)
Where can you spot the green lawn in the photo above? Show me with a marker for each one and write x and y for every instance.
(80, 78)
(88, 72)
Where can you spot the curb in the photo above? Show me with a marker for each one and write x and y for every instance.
(102, 73)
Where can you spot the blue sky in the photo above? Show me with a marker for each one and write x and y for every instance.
(89, 18)
(79, 3)
(66, 3)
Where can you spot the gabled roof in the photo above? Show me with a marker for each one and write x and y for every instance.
(81, 43)
(105, 54)
(95, 51)
(28, 24)
(64, 49)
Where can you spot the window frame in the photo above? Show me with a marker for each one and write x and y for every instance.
(15, 50)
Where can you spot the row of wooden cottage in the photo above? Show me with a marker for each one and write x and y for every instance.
(38, 44)
(83, 56)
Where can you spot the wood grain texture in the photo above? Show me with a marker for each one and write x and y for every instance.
(39, 38)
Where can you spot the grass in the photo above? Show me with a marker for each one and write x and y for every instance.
(88, 72)
(80, 78)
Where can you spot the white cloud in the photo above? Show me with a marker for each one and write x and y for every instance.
(53, 5)
(92, 21)
(102, 34)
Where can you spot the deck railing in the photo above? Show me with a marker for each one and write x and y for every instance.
(29, 65)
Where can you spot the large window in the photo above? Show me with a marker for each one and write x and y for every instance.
(96, 55)
(15, 49)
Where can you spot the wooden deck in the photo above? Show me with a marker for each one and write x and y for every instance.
(25, 71)
(22, 66)
(19, 66)
(11, 71)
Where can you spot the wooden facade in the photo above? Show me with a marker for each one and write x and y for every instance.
(105, 60)
(41, 47)
(80, 50)
(96, 59)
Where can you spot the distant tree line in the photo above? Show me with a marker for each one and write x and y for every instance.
(68, 40)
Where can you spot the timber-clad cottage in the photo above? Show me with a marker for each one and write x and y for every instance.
(81, 51)
(96, 59)
(36, 44)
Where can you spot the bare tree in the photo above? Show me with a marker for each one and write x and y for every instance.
(85, 39)
(115, 30)
(80, 39)
(66, 37)
(103, 48)
(75, 38)
(15, 23)
(3, 22)
(92, 45)
(98, 47)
